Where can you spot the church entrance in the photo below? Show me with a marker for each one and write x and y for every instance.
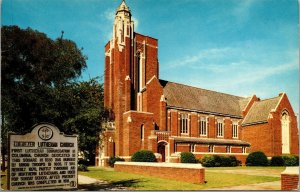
(161, 148)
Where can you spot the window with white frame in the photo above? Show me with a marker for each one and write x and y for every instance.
(211, 148)
(220, 128)
(202, 126)
(228, 149)
(244, 149)
(234, 130)
(184, 123)
(192, 148)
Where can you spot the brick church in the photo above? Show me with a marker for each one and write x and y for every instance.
(168, 118)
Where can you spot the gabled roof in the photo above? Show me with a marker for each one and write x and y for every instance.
(260, 111)
(244, 102)
(192, 98)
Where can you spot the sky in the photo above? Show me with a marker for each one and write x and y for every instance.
(239, 47)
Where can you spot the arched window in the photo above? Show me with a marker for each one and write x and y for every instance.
(285, 132)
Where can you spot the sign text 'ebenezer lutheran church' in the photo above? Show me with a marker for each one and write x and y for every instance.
(43, 159)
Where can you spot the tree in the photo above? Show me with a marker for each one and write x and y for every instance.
(89, 112)
(40, 84)
(32, 66)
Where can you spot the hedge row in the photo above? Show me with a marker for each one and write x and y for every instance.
(290, 160)
(188, 157)
(258, 158)
(219, 161)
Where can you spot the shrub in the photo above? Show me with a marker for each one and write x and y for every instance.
(83, 162)
(82, 167)
(208, 161)
(257, 158)
(277, 161)
(291, 160)
(113, 159)
(233, 161)
(219, 161)
(143, 156)
(187, 157)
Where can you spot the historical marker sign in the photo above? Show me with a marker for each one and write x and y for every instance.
(43, 159)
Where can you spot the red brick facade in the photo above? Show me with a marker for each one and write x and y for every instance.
(143, 113)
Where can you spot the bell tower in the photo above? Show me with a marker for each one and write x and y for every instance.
(123, 25)
(130, 62)
(117, 81)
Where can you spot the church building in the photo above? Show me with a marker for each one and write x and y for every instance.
(167, 118)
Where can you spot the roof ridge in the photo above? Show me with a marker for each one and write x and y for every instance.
(205, 89)
(269, 98)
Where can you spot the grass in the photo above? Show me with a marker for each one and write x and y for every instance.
(3, 180)
(214, 179)
(279, 168)
(139, 182)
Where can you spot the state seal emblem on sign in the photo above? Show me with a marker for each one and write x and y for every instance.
(45, 133)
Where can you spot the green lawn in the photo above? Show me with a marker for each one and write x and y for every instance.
(214, 179)
(280, 169)
(3, 180)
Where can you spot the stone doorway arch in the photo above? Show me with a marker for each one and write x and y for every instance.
(161, 149)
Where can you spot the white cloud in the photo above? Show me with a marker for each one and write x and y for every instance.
(193, 61)
(109, 15)
(136, 23)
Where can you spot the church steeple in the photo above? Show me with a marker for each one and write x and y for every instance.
(123, 25)
(123, 8)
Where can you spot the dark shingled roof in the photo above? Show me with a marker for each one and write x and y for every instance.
(260, 110)
(210, 141)
(187, 97)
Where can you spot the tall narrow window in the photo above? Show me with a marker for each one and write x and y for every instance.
(211, 148)
(138, 59)
(202, 126)
(192, 147)
(142, 132)
(122, 32)
(228, 149)
(220, 128)
(244, 149)
(234, 130)
(141, 74)
(184, 123)
(285, 132)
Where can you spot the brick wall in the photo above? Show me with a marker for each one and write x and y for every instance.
(133, 121)
(194, 125)
(220, 149)
(260, 137)
(290, 178)
(180, 172)
(266, 137)
(289, 182)
(211, 127)
(182, 147)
